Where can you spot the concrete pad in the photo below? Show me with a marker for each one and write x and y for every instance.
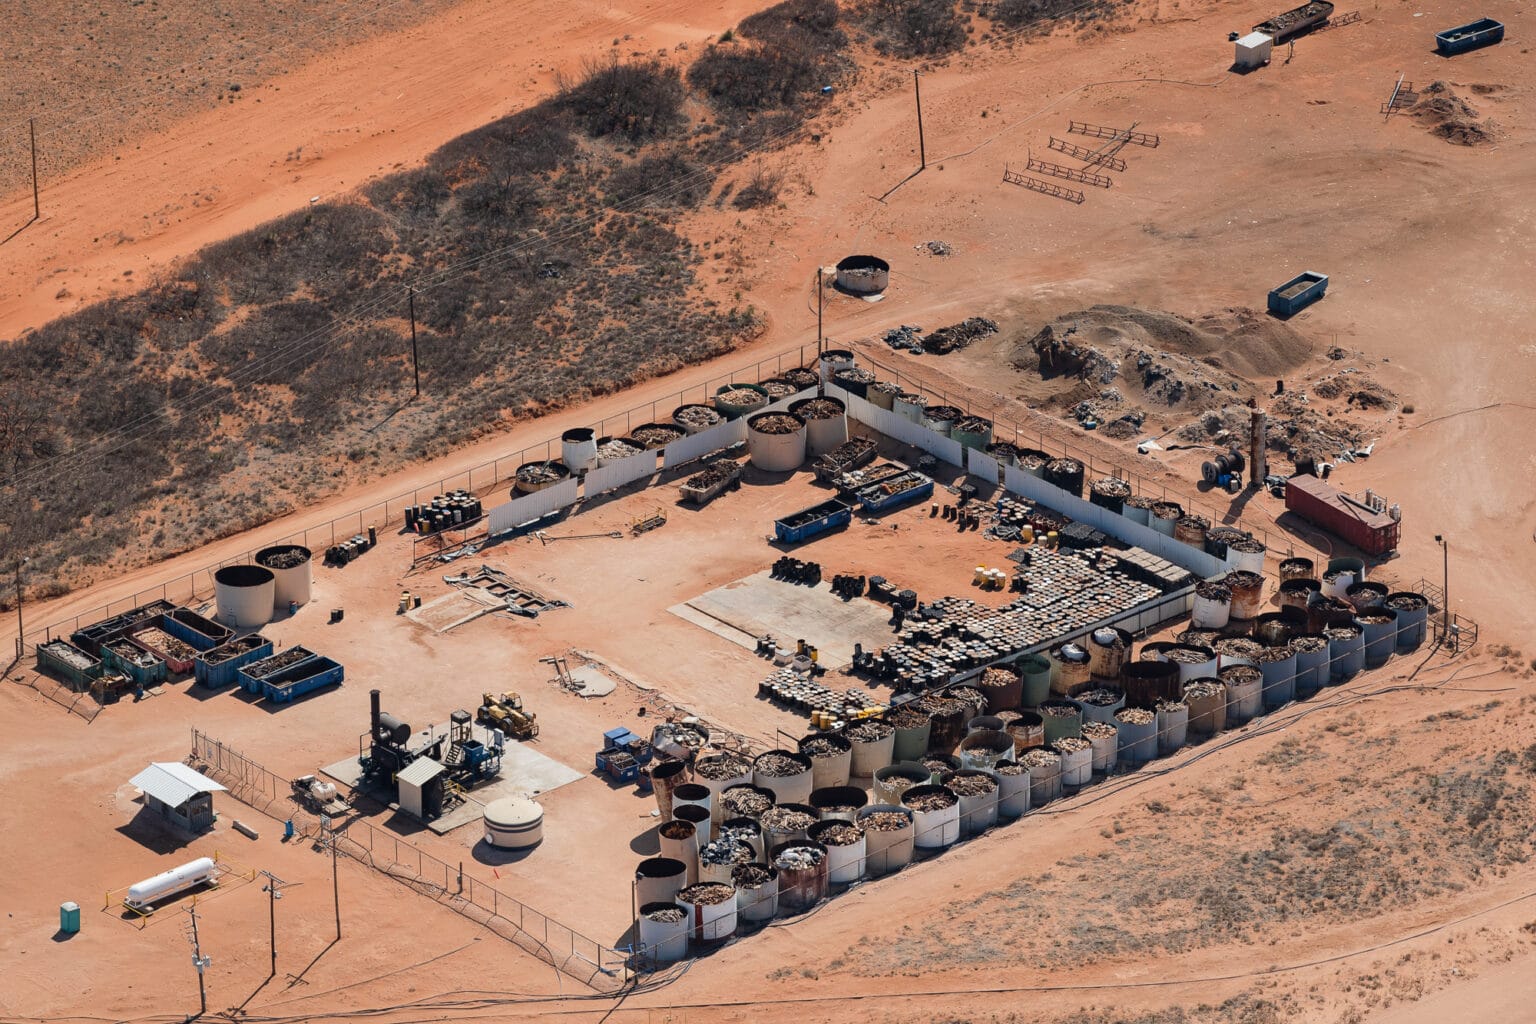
(450, 610)
(525, 771)
(759, 605)
(594, 683)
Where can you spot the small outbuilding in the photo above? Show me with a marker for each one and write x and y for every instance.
(1253, 51)
(420, 785)
(178, 794)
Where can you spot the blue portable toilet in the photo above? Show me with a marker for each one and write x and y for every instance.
(69, 917)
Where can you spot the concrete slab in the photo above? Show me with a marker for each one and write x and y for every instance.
(594, 683)
(759, 605)
(525, 771)
(450, 610)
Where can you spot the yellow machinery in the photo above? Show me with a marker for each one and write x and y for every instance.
(505, 712)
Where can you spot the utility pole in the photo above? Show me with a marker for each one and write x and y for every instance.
(415, 365)
(200, 962)
(273, 895)
(335, 888)
(37, 210)
(922, 151)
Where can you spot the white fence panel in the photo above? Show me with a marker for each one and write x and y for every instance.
(1196, 560)
(945, 449)
(696, 446)
(981, 465)
(617, 474)
(533, 506)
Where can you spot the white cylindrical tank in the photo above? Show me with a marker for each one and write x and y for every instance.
(293, 570)
(658, 879)
(578, 449)
(169, 883)
(711, 909)
(832, 360)
(776, 441)
(757, 891)
(977, 790)
(1076, 755)
(887, 841)
(664, 932)
(1012, 790)
(718, 773)
(1213, 605)
(863, 275)
(874, 745)
(831, 756)
(243, 595)
(826, 424)
(513, 823)
(786, 775)
(935, 816)
(1172, 725)
(1138, 734)
(845, 849)
(1104, 739)
(695, 794)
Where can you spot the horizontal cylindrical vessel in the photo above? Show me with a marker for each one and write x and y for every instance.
(142, 895)
(936, 816)
(845, 846)
(889, 837)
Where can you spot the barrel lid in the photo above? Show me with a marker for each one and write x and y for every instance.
(513, 811)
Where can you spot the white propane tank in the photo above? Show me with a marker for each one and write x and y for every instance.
(169, 883)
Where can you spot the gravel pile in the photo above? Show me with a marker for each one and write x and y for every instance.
(870, 730)
(707, 894)
(777, 766)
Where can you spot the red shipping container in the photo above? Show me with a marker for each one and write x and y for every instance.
(1321, 503)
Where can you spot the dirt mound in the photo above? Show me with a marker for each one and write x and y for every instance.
(1449, 117)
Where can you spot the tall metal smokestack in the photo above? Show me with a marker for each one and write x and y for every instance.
(1258, 467)
(373, 710)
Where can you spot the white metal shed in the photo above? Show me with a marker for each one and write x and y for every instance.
(1253, 51)
(414, 782)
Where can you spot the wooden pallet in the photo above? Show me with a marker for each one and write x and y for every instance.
(1043, 187)
(1058, 171)
(1088, 156)
(1099, 131)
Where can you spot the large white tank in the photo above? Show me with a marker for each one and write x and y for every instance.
(169, 883)
(244, 595)
(578, 449)
(513, 823)
(826, 424)
(293, 571)
(664, 932)
(776, 441)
